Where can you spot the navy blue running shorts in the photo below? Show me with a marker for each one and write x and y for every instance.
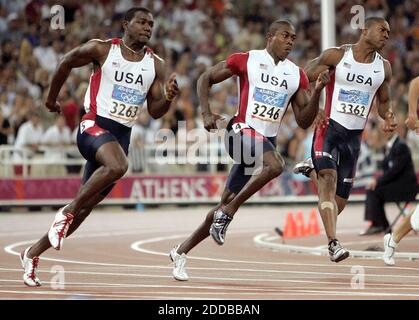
(336, 147)
(94, 131)
(246, 148)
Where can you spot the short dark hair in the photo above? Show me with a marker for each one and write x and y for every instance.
(273, 27)
(373, 20)
(131, 12)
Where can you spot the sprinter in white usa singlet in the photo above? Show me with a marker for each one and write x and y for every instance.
(353, 88)
(126, 75)
(118, 90)
(268, 83)
(265, 89)
(358, 75)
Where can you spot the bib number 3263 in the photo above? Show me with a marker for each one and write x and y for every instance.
(126, 102)
(122, 110)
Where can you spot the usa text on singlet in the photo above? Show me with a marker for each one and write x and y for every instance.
(118, 90)
(265, 89)
(352, 88)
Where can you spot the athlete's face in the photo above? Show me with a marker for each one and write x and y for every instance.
(378, 34)
(282, 42)
(140, 27)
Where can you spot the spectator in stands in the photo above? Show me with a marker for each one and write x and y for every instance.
(190, 35)
(398, 183)
(58, 135)
(46, 55)
(5, 106)
(142, 134)
(5, 129)
(55, 139)
(28, 138)
(19, 113)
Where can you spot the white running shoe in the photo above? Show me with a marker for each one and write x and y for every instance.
(304, 167)
(414, 219)
(337, 253)
(30, 267)
(179, 261)
(219, 226)
(59, 228)
(389, 250)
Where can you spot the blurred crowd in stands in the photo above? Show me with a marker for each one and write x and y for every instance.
(191, 35)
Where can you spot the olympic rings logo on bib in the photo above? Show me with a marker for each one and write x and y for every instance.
(268, 105)
(130, 98)
(126, 102)
(270, 99)
(353, 102)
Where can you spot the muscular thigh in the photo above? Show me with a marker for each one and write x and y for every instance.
(247, 148)
(324, 151)
(92, 135)
(95, 131)
(348, 156)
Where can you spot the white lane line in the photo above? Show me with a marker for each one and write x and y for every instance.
(350, 243)
(292, 280)
(179, 286)
(84, 284)
(260, 240)
(327, 290)
(357, 294)
(137, 246)
(10, 249)
(78, 236)
(257, 279)
(89, 296)
(170, 294)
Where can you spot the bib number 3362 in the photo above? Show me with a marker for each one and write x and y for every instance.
(353, 109)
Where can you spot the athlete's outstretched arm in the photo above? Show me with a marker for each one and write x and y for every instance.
(306, 109)
(328, 59)
(215, 74)
(384, 102)
(89, 52)
(159, 98)
(413, 97)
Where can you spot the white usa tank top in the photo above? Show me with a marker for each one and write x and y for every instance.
(118, 90)
(352, 89)
(265, 89)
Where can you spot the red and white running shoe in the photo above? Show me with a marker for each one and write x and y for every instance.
(59, 228)
(30, 266)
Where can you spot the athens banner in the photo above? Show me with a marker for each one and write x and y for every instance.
(149, 189)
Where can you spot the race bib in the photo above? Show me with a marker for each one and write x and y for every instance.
(237, 127)
(353, 102)
(268, 105)
(86, 124)
(126, 102)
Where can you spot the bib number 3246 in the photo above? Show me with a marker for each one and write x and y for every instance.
(267, 113)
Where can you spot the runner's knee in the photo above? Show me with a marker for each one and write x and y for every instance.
(326, 178)
(275, 168)
(117, 170)
(327, 205)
